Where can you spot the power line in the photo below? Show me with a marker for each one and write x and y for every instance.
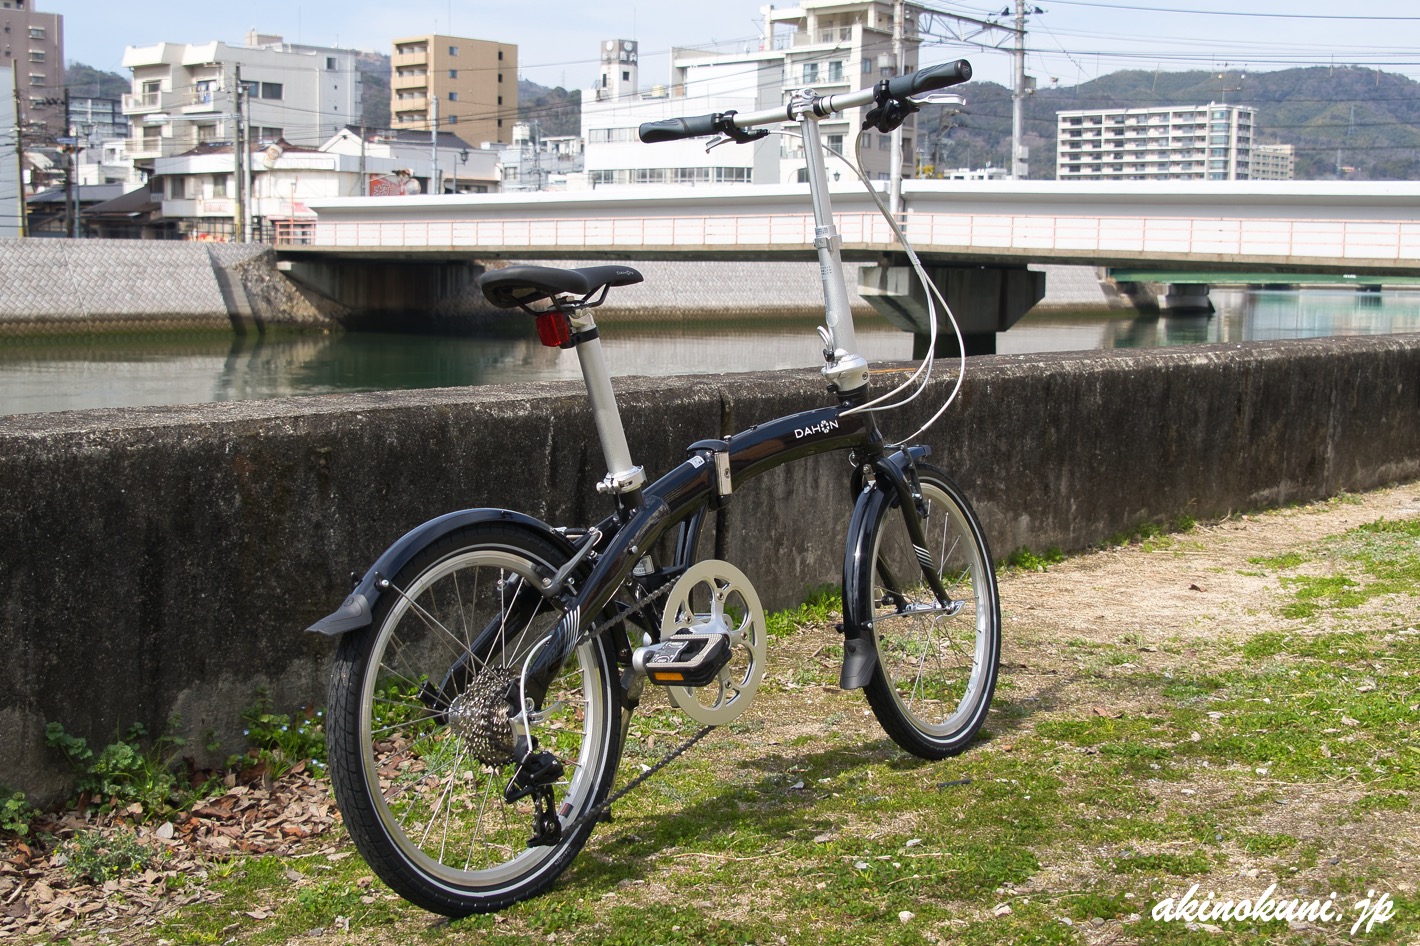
(1243, 13)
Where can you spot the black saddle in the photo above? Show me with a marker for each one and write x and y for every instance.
(519, 286)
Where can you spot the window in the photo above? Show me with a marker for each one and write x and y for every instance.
(36, 32)
(500, 55)
(500, 100)
(835, 142)
(330, 63)
(625, 75)
(206, 133)
(500, 77)
(453, 96)
(825, 36)
(452, 119)
(453, 50)
(219, 185)
(453, 73)
(884, 142)
(867, 67)
(835, 71)
(810, 72)
(271, 90)
(36, 55)
(177, 188)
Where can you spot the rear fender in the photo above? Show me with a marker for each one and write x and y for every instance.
(357, 610)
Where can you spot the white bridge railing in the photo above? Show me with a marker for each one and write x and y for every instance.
(1085, 237)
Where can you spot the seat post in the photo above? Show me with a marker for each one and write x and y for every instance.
(622, 475)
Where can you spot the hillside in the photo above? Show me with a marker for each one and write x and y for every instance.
(1371, 117)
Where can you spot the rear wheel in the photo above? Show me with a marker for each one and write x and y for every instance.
(937, 661)
(420, 743)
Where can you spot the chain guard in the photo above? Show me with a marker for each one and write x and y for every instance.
(714, 596)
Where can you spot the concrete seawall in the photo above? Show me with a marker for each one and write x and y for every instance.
(164, 560)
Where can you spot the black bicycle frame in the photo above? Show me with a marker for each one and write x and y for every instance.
(689, 489)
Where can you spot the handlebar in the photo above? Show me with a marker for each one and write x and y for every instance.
(898, 89)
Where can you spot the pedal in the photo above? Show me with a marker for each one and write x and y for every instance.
(685, 659)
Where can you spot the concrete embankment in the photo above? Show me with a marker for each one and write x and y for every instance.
(163, 561)
(62, 286)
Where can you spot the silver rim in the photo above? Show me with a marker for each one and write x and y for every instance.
(439, 802)
(933, 659)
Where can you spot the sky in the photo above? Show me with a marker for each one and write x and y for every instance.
(1070, 41)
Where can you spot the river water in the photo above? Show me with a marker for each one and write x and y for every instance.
(127, 371)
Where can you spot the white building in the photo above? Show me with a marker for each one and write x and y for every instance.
(1274, 162)
(827, 45)
(199, 188)
(1188, 143)
(12, 195)
(184, 95)
(537, 162)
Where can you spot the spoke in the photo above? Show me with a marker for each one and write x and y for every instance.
(433, 623)
(482, 809)
(448, 790)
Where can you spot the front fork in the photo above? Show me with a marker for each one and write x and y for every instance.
(894, 478)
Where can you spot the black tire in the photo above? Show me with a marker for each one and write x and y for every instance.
(936, 668)
(418, 754)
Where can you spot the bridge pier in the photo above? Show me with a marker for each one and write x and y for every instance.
(985, 300)
(1179, 298)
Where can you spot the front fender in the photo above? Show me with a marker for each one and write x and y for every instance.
(874, 502)
(358, 608)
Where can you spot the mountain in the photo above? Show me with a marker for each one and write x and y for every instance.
(556, 111)
(1371, 118)
(90, 83)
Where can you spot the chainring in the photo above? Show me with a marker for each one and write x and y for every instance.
(715, 596)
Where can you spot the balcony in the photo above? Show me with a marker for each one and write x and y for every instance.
(420, 58)
(418, 80)
(136, 104)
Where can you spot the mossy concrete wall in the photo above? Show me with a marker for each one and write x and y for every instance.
(161, 561)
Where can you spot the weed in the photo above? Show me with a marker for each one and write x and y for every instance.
(132, 769)
(96, 857)
(16, 814)
(819, 607)
(279, 742)
(1023, 559)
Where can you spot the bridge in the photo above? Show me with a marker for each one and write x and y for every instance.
(975, 237)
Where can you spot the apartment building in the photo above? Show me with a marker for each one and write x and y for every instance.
(472, 84)
(1211, 142)
(1274, 162)
(32, 49)
(827, 45)
(185, 94)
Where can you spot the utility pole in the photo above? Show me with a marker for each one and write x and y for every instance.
(1018, 97)
(237, 157)
(434, 141)
(895, 172)
(360, 186)
(71, 199)
(20, 152)
(246, 167)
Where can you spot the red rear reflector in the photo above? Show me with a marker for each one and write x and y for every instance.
(553, 330)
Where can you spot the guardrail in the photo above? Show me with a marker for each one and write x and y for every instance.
(1397, 241)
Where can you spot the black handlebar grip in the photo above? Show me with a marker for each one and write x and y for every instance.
(676, 129)
(929, 80)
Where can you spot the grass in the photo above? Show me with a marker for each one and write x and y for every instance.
(1232, 761)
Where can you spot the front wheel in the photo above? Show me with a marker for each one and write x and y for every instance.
(936, 660)
(421, 747)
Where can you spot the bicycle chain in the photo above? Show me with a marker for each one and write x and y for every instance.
(596, 812)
